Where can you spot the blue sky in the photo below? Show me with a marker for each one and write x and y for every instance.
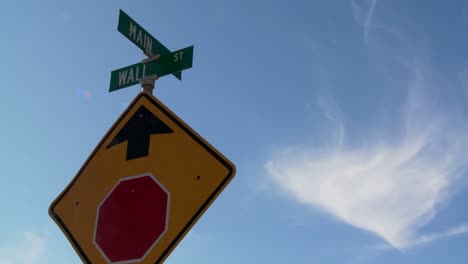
(347, 122)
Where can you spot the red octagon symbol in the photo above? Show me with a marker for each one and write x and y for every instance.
(131, 219)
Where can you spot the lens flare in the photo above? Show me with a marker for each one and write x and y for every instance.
(83, 93)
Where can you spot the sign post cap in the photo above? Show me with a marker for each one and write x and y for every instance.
(148, 82)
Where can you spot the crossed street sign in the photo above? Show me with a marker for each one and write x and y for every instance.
(168, 63)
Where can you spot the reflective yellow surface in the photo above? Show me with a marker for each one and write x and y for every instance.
(191, 170)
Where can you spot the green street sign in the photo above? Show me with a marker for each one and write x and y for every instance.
(168, 63)
(140, 37)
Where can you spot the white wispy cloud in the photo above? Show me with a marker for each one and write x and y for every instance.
(364, 15)
(29, 250)
(385, 187)
(397, 180)
(425, 239)
(364, 12)
(454, 231)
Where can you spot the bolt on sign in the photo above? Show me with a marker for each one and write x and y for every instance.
(142, 188)
(149, 179)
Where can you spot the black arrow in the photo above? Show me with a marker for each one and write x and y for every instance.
(137, 132)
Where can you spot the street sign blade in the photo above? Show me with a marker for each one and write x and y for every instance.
(168, 63)
(141, 38)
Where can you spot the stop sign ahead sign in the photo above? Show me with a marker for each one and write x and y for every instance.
(132, 218)
(141, 190)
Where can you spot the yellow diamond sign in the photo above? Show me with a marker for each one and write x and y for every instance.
(140, 191)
